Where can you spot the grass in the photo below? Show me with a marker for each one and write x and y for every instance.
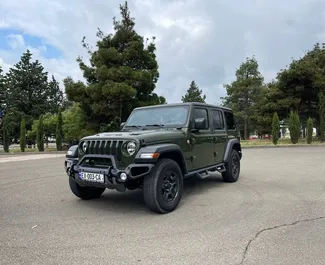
(281, 142)
(28, 150)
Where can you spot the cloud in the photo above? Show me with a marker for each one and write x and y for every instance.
(202, 41)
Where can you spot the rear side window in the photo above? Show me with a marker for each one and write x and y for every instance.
(230, 120)
(218, 122)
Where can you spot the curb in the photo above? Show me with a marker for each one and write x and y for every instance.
(281, 146)
(31, 153)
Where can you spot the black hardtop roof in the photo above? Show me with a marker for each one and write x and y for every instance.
(186, 104)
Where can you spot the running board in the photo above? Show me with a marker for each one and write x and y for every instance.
(204, 173)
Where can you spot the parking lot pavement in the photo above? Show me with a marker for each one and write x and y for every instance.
(274, 214)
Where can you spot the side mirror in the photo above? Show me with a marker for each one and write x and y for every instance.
(121, 125)
(200, 123)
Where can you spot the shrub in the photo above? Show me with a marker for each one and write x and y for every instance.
(40, 134)
(275, 128)
(310, 126)
(59, 133)
(294, 127)
(5, 134)
(22, 141)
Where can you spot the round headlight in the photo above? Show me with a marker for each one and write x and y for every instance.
(84, 146)
(130, 148)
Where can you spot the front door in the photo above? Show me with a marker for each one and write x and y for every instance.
(202, 141)
(220, 138)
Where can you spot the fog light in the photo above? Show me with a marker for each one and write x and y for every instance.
(123, 176)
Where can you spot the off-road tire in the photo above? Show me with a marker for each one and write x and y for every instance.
(153, 186)
(232, 167)
(85, 193)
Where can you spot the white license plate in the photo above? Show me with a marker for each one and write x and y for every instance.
(94, 177)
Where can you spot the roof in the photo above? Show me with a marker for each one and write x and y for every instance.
(186, 104)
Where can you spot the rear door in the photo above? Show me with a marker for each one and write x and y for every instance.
(219, 134)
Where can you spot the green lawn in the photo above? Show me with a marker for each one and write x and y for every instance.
(281, 142)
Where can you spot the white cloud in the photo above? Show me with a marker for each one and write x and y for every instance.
(196, 40)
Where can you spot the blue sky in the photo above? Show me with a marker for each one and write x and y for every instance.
(29, 40)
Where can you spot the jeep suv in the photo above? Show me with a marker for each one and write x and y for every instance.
(156, 148)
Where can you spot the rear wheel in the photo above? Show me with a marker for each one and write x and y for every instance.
(163, 188)
(85, 193)
(232, 167)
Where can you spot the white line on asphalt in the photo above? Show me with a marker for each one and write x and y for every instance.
(29, 157)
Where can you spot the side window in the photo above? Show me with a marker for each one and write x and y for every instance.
(230, 120)
(218, 122)
(199, 113)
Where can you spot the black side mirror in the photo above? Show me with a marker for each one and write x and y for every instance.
(200, 124)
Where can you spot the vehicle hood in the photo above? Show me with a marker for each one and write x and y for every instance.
(149, 136)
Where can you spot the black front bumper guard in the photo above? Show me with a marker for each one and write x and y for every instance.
(111, 174)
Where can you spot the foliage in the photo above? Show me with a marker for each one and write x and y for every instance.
(244, 93)
(322, 116)
(5, 134)
(28, 93)
(193, 94)
(294, 127)
(40, 134)
(310, 127)
(59, 132)
(122, 75)
(275, 128)
(22, 140)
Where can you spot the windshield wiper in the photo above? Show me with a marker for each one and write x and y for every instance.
(156, 125)
(133, 126)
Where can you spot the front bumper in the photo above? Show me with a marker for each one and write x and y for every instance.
(111, 174)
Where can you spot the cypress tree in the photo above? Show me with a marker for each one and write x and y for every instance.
(40, 134)
(59, 132)
(5, 134)
(294, 127)
(310, 126)
(322, 116)
(275, 128)
(22, 141)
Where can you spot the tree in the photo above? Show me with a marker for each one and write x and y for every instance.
(28, 92)
(294, 127)
(122, 75)
(193, 94)
(59, 133)
(244, 93)
(40, 134)
(5, 134)
(322, 116)
(275, 128)
(22, 141)
(310, 127)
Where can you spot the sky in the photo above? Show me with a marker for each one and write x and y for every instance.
(204, 41)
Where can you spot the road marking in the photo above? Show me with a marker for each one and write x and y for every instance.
(29, 157)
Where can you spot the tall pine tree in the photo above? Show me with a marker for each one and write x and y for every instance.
(244, 93)
(122, 75)
(193, 94)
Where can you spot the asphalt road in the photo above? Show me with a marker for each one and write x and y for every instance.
(275, 214)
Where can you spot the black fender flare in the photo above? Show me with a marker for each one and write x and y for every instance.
(232, 144)
(163, 150)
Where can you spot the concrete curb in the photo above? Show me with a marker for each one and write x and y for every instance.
(31, 153)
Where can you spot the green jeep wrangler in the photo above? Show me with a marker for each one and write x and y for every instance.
(156, 148)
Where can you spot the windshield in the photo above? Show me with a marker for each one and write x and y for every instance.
(173, 116)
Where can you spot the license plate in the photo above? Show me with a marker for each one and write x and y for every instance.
(94, 177)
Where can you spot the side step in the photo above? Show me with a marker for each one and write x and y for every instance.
(205, 174)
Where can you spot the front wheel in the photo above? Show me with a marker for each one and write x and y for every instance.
(85, 193)
(232, 168)
(163, 188)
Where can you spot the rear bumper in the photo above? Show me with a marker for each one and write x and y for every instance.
(111, 175)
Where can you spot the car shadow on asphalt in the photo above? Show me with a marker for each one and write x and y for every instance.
(133, 202)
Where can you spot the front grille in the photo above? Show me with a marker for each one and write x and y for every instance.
(105, 147)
